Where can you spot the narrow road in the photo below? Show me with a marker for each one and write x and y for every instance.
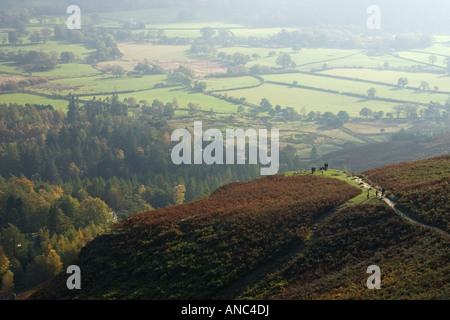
(392, 204)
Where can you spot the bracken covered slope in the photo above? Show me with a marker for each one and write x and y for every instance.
(194, 250)
(422, 188)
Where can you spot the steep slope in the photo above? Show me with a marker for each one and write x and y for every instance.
(413, 260)
(420, 188)
(279, 237)
(194, 250)
(374, 155)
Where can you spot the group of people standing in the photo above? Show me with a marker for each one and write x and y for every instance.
(383, 193)
(322, 169)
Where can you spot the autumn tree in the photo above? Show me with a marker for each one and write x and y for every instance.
(4, 262)
(179, 192)
(8, 286)
(92, 210)
(44, 267)
(36, 209)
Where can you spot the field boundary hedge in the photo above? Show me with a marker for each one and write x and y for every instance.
(355, 95)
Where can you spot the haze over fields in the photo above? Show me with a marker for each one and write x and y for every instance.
(102, 161)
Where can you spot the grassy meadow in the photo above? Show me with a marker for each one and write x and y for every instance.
(338, 70)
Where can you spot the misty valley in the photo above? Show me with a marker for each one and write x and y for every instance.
(216, 151)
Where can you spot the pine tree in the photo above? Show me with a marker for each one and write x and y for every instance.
(73, 112)
(191, 190)
(53, 218)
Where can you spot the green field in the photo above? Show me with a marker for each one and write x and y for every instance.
(315, 58)
(69, 70)
(391, 77)
(362, 60)
(101, 84)
(95, 80)
(23, 98)
(133, 52)
(311, 100)
(52, 46)
(9, 68)
(184, 96)
(422, 57)
(358, 87)
(230, 83)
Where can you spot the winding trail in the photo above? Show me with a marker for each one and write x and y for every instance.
(393, 205)
(235, 289)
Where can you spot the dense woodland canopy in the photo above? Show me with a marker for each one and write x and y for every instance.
(65, 177)
(100, 144)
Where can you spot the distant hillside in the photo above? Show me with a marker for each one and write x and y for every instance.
(422, 188)
(374, 155)
(195, 250)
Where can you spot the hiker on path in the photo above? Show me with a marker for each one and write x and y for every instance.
(383, 191)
